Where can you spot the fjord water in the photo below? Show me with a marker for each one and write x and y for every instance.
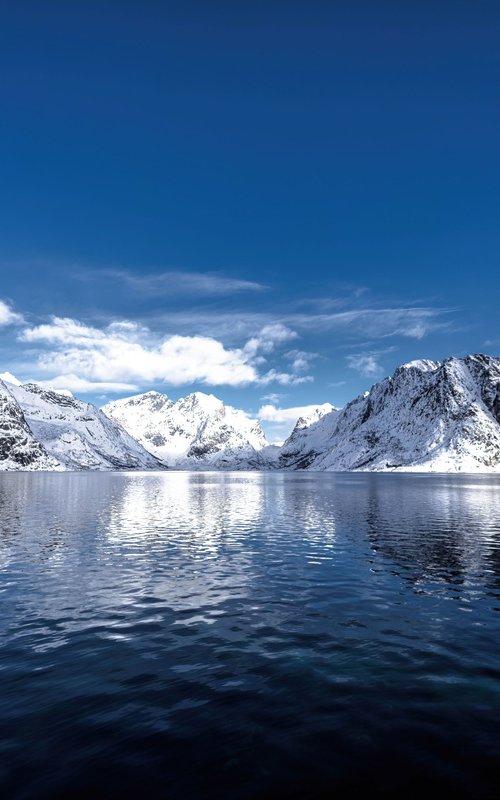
(240, 635)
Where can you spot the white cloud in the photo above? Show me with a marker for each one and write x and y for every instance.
(268, 338)
(283, 378)
(269, 412)
(7, 316)
(80, 385)
(125, 353)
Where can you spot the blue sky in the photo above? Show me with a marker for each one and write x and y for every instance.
(275, 202)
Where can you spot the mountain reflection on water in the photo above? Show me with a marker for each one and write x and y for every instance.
(248, 634)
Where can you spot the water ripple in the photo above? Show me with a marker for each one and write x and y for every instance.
(248, 634)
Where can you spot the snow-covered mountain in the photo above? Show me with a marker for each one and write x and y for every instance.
(195, 432)
(308, 437)
(43, 429)
(429, 416)
(19, 449)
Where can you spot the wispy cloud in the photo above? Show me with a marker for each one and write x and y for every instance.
(283, 378)
(300, 360)
(268, 338)
(273, 397)
(360, 323)
(177, 282)
(410, 322)
(368, 364)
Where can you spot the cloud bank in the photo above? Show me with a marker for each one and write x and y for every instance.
(125, 354)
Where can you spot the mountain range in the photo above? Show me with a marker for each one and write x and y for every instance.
(42, 429)
(429, 416)
(197, 431)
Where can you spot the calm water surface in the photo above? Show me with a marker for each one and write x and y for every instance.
(248, 635)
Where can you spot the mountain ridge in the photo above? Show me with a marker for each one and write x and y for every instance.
(429, 416)
(47, 429)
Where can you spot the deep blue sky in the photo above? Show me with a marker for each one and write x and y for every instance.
(331, 170)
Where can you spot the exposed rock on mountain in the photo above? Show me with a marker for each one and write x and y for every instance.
(430, 416)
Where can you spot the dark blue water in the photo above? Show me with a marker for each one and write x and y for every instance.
(248, 635)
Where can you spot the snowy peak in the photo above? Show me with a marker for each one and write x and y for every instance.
(308, 438)
(204, 403)
(195, 431)
(308, 419)
(422, 365)
(8, 377)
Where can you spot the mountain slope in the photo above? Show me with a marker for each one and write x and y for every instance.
(19, 449)
(429, 416)
(308, 437)
(197, 431)
(76, 435)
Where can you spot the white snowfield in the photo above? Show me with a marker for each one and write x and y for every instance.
(429, 416)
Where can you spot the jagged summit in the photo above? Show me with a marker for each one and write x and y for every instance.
(421, 364)
(197, 431)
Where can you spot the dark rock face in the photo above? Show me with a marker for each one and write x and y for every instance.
(487, 372)
(49, 396)
(18, 446)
